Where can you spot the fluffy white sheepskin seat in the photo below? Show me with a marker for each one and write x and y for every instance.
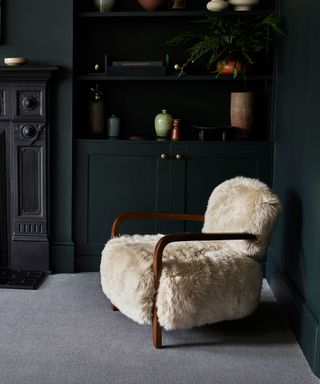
(202, 281)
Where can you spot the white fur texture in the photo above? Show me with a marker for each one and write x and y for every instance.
(202, 281)
(243, 205)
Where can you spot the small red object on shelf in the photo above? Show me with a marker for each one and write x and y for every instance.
(176, 129)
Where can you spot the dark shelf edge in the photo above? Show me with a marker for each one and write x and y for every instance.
(103, 77)
(169, 13)
(155, 141)
(28, 68)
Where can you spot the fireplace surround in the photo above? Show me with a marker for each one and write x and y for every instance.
(24, 167)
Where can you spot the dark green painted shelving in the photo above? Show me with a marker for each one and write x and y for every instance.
(104, 77)
(167, 13)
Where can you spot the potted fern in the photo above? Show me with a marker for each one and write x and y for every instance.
(228, 42)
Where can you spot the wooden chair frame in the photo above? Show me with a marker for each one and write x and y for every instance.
(163, 242)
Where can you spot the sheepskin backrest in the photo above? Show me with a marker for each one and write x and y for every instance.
(242, 204)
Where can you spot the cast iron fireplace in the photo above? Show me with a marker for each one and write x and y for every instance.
(24, 175)
(3, 204)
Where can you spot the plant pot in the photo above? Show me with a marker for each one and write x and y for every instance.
(152, 5)
(229, 67)
(241, 112)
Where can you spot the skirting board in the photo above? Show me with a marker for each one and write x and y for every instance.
(299, 316)
(62, 257)
(87, 263)
(317, 370)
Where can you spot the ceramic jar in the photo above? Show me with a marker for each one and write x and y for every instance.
(113, 126)
(241, 112)
(152, 5)
(216, 5)
(104, 5)
(162, 123)
(176, 130)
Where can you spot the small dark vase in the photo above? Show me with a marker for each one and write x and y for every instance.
(152, 5)
(176, 130)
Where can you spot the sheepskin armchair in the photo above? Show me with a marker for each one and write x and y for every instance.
(191, 279)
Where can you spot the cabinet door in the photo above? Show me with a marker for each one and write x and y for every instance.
(114, 177)
(207, 165)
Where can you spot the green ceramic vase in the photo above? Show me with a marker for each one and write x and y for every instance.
(162, 123)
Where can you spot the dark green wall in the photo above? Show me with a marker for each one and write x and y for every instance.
(294, 262)
(42, 31)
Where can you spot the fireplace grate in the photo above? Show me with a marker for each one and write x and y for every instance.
(17, 279)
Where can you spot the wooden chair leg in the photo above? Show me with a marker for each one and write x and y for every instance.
(114, 308)
(156, 330)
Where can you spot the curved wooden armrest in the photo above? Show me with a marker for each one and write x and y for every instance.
(157, 266)
(152, 215)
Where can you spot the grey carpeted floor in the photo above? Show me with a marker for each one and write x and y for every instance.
(65, 333)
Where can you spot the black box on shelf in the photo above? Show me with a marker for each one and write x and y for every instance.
(136, 71)
(216, 133)
(134, 68)
(137, 64)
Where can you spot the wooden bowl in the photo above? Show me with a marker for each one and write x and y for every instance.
(14, 61)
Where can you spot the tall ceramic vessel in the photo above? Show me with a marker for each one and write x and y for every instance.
(241, 112)
(163, 123)
(96, 113)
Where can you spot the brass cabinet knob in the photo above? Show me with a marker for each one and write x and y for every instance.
(178, 156)
(163, 156)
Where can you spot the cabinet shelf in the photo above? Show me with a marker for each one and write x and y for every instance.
(115, 141)
(104, 77)
(168, 13)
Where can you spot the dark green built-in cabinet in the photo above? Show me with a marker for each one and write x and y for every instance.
(124, 175)
(113, 176)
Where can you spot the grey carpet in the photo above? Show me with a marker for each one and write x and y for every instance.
(65, 333)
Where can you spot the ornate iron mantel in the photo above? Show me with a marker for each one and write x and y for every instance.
(24, 167)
